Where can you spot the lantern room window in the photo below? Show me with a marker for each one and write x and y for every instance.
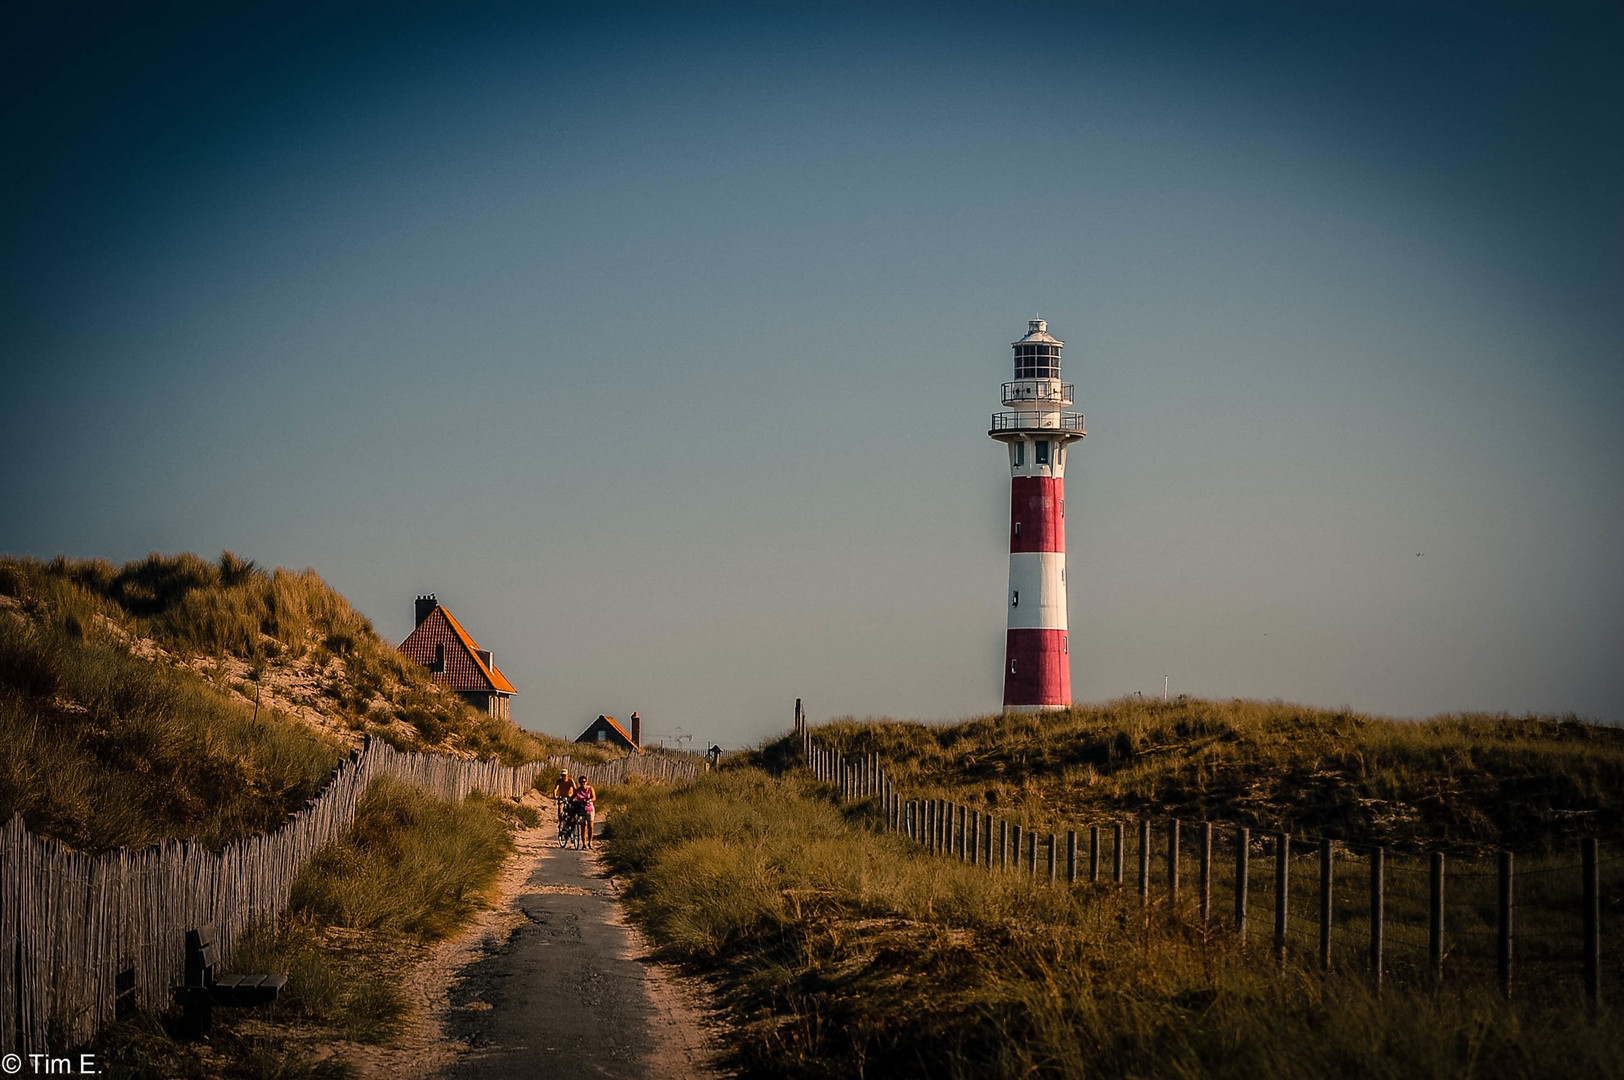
(1037, 361)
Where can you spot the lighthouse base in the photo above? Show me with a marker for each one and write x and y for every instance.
(1037, 670)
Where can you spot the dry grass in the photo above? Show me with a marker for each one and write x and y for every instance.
(411, 871)
(845, 952)
(1472, 782)
(127, 698)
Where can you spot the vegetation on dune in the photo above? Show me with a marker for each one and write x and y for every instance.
(130, 698)
(1473, 782)
(411, 871)
(102, 749)
(250, 622)
(844, 951)
(411, 864)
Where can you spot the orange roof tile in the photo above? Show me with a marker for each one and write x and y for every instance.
(469, 671)
(498, 680)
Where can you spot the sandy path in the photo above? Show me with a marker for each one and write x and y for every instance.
(552, 980)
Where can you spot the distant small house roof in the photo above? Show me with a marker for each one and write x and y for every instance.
(467, 666)
(613, 725)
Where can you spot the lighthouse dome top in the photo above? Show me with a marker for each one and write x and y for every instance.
(1037, 333)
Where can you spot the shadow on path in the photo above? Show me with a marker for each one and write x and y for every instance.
(565, 994)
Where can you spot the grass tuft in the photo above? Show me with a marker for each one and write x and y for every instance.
(1473, 782)
(844, 952)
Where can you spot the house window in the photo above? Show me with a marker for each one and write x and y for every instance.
(603, 736)
(439, 659)
(1040, 452)
(1020, 452)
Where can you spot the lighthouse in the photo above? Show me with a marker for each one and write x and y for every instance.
(1037, 429)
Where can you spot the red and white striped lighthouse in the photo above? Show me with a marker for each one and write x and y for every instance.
(1037, 658)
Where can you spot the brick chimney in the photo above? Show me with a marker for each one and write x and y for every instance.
(637, 729)
(425, 607)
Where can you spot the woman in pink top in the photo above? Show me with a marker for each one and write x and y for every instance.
(584, 795)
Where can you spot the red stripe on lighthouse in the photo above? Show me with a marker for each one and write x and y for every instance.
(1037, 668)
(1036, 518)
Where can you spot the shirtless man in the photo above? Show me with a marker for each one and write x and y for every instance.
(562, 792)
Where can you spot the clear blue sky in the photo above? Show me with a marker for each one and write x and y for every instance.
(660, 341)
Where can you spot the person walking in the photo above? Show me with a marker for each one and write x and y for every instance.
(584, 796)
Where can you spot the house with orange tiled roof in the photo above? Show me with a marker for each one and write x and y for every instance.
(456, 661)
(607, 729)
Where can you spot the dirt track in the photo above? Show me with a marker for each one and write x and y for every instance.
(567, 990)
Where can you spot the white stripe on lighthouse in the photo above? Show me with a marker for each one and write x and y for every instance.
(1037, 590)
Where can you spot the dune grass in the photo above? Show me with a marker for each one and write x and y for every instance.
(102, 749)
(231, 608)
(105, 741)
(1471, 782)
(842, 951)
(412, 871)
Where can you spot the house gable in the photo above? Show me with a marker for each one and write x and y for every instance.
(606, 729)
(453, 657)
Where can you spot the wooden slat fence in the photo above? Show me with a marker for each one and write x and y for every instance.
(1544, 911)
(73, 927)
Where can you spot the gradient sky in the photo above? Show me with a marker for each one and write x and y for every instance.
(660, 341)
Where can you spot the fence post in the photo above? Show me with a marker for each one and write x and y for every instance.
(1435, 918)
(1592, 920)
(1093, 853)
(1504, 966)
(974, 843)
(1144, 861)
(1116, 852)
(1378, 898)
(1051, 858)
(1326, 906)
(1003, 843)
(1206, 870)
(1172, 864)
(1282, 893)
(964, 833)
(1071, 856)
(1016, 836)
(1243, 866)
